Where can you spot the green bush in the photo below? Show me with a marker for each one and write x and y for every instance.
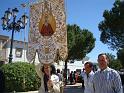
(20, 76)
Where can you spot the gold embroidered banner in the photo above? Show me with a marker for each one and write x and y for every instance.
(48, 33)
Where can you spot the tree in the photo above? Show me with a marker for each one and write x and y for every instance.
(113, 62)
(112, 27)
(110, 56)
(120, 55)
(80, 42)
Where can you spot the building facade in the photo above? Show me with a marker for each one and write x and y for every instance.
(18, 52)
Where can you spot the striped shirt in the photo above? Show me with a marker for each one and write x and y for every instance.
(107, 81)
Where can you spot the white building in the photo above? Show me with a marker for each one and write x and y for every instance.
(18, 52)
(75, 66)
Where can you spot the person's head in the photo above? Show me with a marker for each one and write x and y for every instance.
(49, 69)
(88, 66)
(103, 61)
(58, 70)
(71, 72)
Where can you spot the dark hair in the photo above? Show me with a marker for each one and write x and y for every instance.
(53, 71)
(58, 70)
(104, 54)
(90, 64)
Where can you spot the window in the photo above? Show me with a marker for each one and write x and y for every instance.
(18, 52)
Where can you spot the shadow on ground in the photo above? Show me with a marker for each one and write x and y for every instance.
(77, 88)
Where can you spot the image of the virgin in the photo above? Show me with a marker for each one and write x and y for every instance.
(46, 27)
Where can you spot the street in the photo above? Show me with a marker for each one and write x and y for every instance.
(77, 88)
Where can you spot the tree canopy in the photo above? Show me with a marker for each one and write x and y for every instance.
(120, 55)
(113, 62)
(80, 42)
(112, 27)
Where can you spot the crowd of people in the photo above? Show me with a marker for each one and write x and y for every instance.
(73, 77)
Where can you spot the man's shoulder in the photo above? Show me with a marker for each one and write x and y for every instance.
(107, 70)
(83, 73)
(96, 72)
(113, 71)
(91, 73)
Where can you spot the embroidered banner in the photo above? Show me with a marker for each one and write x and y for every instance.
(48, 33)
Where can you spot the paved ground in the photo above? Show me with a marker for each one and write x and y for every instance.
(77, 88)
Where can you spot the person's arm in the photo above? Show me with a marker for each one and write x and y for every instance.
(38, 70)
(52, 86)
(117, 84)
(56, 87)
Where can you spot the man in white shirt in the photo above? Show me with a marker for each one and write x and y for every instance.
(88, 76)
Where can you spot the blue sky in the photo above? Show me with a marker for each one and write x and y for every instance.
(85, 13)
